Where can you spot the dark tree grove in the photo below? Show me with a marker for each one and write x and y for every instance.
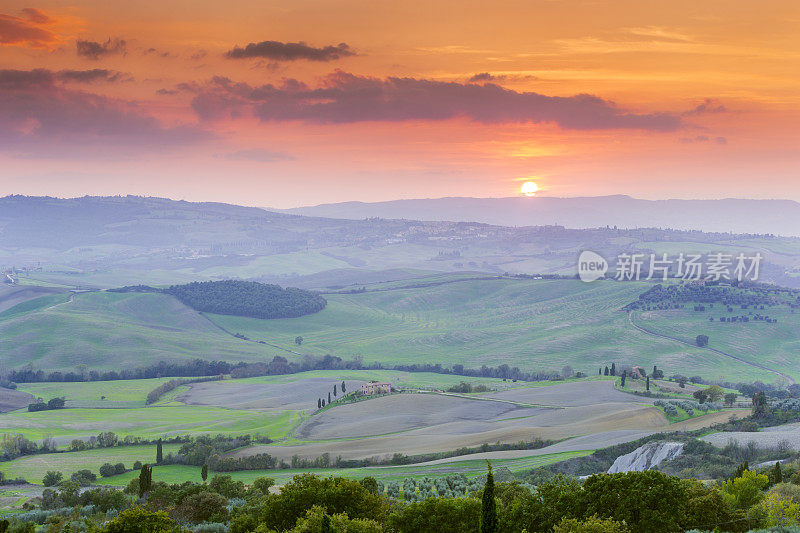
(248, 298)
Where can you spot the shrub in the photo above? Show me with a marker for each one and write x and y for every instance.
(645, 501)
(210, 527)
(226, 486)
(84, 477)
(317, 519)
(593, 524)
(139, 520)
(52, 478)
(204, 506)
(443, 515)
(281, 511)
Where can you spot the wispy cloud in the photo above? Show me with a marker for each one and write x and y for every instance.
(30, 30)
(38, 113)
(709, 106)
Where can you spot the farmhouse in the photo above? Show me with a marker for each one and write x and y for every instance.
(376, 387)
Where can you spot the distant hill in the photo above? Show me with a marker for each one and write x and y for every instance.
(779, 217)
(105, 242)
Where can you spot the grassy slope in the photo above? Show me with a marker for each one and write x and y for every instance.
(536, 325)
(120, 393)
(34, 467)
(531, 324)
(147, 422)
(112, 331)
(180, 473)
(773, 345)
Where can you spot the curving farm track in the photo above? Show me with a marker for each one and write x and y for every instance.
(787, 377)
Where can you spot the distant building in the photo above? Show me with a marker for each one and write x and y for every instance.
(376, 387)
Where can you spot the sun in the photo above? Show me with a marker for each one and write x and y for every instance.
(529, 188)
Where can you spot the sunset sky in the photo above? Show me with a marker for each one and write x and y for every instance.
(304, 102)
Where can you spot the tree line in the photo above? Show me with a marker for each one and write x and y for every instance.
(660, 297)
(632, 502)
(154, 395)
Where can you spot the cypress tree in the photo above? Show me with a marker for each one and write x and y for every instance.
(606, 371)
(329, 398)
(319, 403)
(344, 389)
(613, 369)
(599, 371)
(159, 452)
(488, 504)
(623, 379)
(334, 390)
(648, 383)
(741, 469)
(777, 475)
(204, 472)
(145, 480)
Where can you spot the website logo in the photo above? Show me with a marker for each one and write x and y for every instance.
(591, 266)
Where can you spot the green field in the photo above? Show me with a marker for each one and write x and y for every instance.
(113, 331)
(475, 467)
(124, 411)
(36, 304)
(533, 324)
(773, 345)
(119, 393)
(153, 421)
(34, 467)
(537, 325)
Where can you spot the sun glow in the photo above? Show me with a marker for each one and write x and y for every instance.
(529, 188)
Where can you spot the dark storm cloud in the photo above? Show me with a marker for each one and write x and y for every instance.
(347, 98)
(278, 51)
(39, 114)
(26, 31)
(95, 50)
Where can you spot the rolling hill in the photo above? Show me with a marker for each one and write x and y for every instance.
(114, 331)
(779, 217)
(536, 325)
(106, 242)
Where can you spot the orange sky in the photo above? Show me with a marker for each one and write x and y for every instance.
(688, 99)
